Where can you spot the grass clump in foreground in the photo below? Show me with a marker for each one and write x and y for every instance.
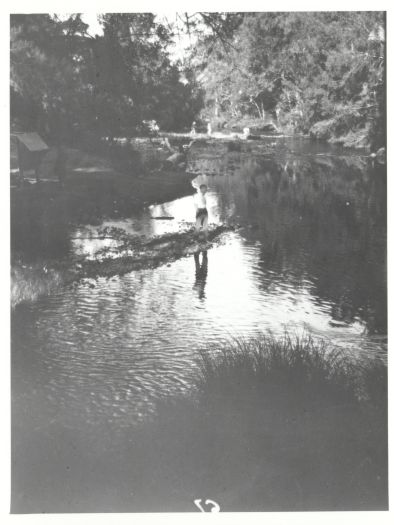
(275, 425)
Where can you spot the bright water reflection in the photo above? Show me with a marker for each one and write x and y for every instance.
(157, 219)
(309, 255)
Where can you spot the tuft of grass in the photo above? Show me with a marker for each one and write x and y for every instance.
(27, 284)
(299, 367)
(275, 424)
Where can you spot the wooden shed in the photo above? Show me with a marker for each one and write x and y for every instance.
(31, 150)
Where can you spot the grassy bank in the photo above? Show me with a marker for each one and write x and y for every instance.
(275, 425)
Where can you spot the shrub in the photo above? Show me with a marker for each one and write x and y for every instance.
(274, 424)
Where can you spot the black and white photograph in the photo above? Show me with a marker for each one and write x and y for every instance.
(198, 258)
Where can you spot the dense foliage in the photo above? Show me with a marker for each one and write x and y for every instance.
(323, 71)
(65, 83)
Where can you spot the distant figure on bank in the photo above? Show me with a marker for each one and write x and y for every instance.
(193, 131)
(209, 129)
(200, 202)
(246, 133)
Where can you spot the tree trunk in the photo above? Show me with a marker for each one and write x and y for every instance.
(216, 107)
(261, 115)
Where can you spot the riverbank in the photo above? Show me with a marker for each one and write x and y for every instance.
(331, 131)
(275, 425)
(270, 425)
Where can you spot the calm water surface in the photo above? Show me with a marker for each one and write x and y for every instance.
(308, 254)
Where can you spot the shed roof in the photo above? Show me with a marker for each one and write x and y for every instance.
(32, 141)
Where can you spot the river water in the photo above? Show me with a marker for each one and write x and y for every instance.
(308, 255)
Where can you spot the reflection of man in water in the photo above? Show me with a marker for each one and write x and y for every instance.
(201, 273)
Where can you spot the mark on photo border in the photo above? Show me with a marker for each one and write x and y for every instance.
(215, 507)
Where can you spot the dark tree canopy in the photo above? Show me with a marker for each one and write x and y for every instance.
(66, 82)
(320, 72)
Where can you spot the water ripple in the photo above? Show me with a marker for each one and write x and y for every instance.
(104, 354)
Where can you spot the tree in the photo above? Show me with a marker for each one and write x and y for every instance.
(67, 84)
(309, 67)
